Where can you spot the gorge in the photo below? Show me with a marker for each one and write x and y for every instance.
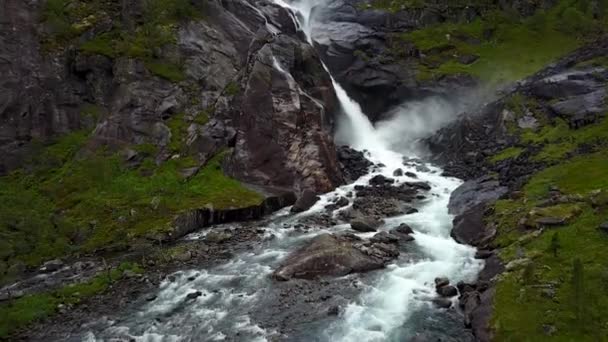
(303, 170)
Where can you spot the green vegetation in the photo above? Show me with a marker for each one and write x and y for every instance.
(17, 313)
(232, 89)
(68, 19)
(511, 152)
(67, 203)
(168, 71)
(555, 291)
(509, 47)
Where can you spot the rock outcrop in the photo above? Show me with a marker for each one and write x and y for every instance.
(249, 81)
(336, 255)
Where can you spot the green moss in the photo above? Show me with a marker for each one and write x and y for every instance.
(168, 71)
(203, 117)
(511, 152)
(578, 175)
(232, 89)
(20, 312)
(65, 203)
(516, 49)
(520, 308)
(179, 132)
(147, 149)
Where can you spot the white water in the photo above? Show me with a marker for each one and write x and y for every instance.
(232, 293)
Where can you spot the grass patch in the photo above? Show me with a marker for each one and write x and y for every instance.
(511, 152)
(521, 309)
(18, 313)
(517, 47)
(65, 205)
(168, 71)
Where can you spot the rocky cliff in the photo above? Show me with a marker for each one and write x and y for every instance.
(230, 74)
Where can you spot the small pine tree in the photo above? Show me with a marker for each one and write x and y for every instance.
(555, 245)
(578, 289)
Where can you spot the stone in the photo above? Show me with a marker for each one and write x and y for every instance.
(194, 295)
(467, 59)
(464, 287)
(411, 174)
(604, 227)
(379, 180)
(517, 264)
(441, 282)
(333, 310)
(447, 291)
(549, 330)
(183, 256)
(550, 221)
(404, 228)
(442, 303)
(306, 200)
(332, 255)
(365, 225)
(483, 254)
(384, 237)
(51, 266)
(150, 297)
(218, 236)
(398, 173)
(342, 202)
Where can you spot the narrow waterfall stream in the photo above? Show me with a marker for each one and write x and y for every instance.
(392, 304)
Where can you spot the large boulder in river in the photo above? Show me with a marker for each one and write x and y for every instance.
(365, 225)
(331, 255)
(305, 202)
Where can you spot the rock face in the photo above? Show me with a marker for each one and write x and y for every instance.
(331, 255)
(356, 42)
(246, 66)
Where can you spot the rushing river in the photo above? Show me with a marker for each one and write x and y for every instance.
(393, 303)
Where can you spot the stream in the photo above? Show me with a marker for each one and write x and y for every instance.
(391, 304)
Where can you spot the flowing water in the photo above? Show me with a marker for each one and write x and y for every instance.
(394, 303)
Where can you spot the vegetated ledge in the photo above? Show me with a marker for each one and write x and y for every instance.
(192, 220)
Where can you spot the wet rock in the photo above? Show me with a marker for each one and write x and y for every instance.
(419, 185)
(353, 163)
(380, 180)
(384, 237)
(447, 291)
(404, 228)
(483, 254)
(472, 193)
(150, 297)
(331, 255)
(365, 224)
(217, 236)
(442, 303)
(470, 228)
(305, 201)
(411, 211)
(194, 295)
(441, 282)
(411, 174)
(333, 311)
(398, 173)
(51, 266)
(464, 287)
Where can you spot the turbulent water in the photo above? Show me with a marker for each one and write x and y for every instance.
(394, 303)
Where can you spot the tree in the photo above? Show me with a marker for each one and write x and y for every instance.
(578, 289)
(555, 245)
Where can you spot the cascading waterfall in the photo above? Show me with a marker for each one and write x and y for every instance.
(232, 293)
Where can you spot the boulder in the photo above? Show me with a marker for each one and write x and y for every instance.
(474, 192)
(217, 236)
(194, 295)
(447, 291)
(404, 228)
(353, 163)
(411, 174)
(365, 224)
(550, 221)
(384, 237)
(380, 180)
(442, 303)
(398, 173)
(51, 266)
(604, 227)
(441, 282)
(331, 255)
(306, 200)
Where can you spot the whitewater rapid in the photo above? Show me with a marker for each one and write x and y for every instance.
(232, 293)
